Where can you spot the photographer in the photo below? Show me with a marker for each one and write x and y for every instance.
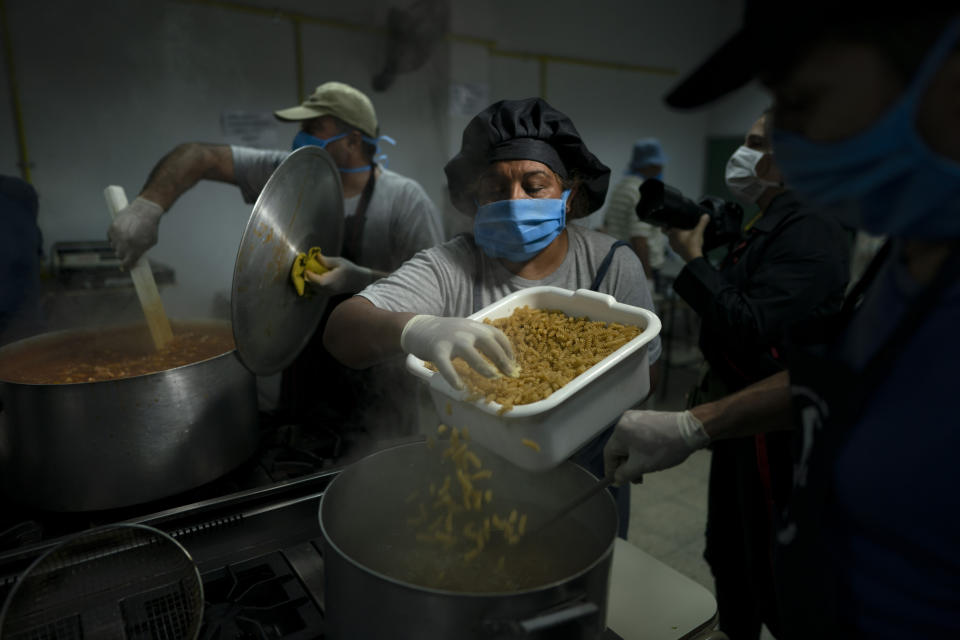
(785, 274)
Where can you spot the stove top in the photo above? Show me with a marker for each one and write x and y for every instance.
(259, 598)
(254, 536)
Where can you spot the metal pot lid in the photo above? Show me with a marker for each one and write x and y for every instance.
(300, 207)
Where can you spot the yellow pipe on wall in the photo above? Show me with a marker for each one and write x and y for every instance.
(544, 59)
(14, 94)
(297, 19)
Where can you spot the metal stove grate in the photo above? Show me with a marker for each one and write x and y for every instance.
(258, 599)
(158, 615)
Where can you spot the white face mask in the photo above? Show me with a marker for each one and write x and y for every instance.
(741, 176)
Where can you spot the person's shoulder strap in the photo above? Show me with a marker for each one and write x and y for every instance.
(354, 236)
(605, 264)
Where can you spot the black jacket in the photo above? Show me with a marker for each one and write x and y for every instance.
(787, 273)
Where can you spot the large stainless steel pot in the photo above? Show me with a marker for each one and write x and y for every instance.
(370, 551)
(101, 445)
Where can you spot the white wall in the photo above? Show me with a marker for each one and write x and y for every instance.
(103, 110)
(108, 87)
(610, 107)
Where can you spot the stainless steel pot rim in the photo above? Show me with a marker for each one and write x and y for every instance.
(445, 592)
(114, 381)
(44, 336)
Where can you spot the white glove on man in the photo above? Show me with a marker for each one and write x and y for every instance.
(134, 230)
(439, 340)
(645, 441)
(344, 277)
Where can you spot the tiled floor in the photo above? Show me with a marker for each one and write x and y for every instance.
(668, 515)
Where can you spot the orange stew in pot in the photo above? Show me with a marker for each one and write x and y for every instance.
(108, 354)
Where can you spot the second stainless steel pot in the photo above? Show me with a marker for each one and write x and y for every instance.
(102, 445)
(370, 555)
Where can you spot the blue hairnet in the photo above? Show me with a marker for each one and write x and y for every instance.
(646, 151)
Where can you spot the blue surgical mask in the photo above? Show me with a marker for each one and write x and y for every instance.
(303, 139)
(888, 173)
(519, 229)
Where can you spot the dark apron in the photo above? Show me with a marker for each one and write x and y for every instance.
(316, 388)
(749, 477)
(590, 456)
(829, 397)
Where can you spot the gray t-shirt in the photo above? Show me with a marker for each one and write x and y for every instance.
(440, 281)
(401, 219)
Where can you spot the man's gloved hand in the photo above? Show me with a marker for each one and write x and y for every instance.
(134, 230)
(344, 277)
(439, 340)
(645, 441)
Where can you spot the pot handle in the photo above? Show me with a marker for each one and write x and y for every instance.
(551, 618)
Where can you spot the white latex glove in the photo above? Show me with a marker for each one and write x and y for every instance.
(645, 441)
(439, 340)
(344, 277)
(134, 230)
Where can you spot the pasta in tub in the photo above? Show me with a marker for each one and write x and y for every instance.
(583, 362)
(551, 349)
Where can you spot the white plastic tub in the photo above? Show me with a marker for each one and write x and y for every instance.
(571, 416)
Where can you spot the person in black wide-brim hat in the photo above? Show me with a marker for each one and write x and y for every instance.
(865, 123)
(521, 172)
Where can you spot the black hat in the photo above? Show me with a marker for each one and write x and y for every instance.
(771, 37)
(527, 129)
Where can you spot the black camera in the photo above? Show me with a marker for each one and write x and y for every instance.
(665, 206)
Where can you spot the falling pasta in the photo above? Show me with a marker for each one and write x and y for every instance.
(458, 514)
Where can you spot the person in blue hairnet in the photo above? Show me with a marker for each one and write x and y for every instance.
(866, 124)
(522, 172)
(647, 160)
(387, 219)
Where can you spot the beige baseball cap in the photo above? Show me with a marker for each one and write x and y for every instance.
(339, 100)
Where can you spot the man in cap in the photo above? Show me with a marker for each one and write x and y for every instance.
(399, 218)
(521, 173)
(620, 219)
(865, 122)
(388, 218)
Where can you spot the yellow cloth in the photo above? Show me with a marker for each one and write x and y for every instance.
(309, 261)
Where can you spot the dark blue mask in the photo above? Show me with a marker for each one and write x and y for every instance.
(888, 174)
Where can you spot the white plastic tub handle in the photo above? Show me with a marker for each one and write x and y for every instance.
(605, 298)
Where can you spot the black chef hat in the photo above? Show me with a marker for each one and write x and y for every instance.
(528, 129)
